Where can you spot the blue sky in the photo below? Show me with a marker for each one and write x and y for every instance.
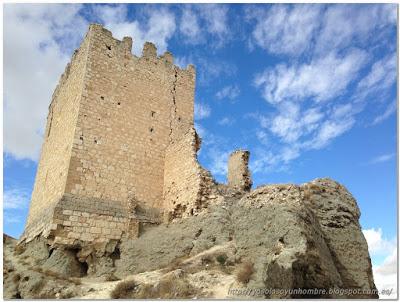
(310, 90)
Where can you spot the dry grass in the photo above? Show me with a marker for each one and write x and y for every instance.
(19, 249)
(37, 269)
(125, 290)
(169, 287)
(307, 194)
(315, 188)
(245, 271)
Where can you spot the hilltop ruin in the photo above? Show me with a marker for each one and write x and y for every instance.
(119, 193)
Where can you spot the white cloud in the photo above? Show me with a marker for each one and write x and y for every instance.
(296, 29)
(156, 25)
(190, 26)
(198, 21)
(344, 24)
(201, 111)
(210, 70)
(226, 121)
(218, 160)
(327, 53)
(329, 130)
(390, 109)
(15, 199)
(216, 19)
(322, 79)
(382, 158)
(377, 245)
(262, 136)
(385, 274)
(285, 29)
(37, 43)
(382, 76)
(183, 61)
(230, 92)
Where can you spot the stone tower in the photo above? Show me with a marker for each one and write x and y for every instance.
(110, 121)
(238, 171)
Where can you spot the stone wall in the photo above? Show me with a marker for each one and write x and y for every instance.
(131, 109)
(187, 186)
(55, 155)
(238, 170)
(111, 119)
(80, 219)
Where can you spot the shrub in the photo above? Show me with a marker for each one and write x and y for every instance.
(19, 249)
(124, 290)
(16, 278)
(175, 288)
(244, 272)
(169, 287)
(222, 259)
(307, 194)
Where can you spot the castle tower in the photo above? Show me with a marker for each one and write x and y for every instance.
(111, 119)
(238, 170)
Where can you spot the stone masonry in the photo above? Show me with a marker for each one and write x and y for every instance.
(120, 148)
(238, 171)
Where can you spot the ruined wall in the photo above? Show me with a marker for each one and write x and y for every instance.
(238, 170)
(91, 220)
(56, 149)
(187, 186)
(131, 109)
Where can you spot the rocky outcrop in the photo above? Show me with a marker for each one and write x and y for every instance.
(295, 241)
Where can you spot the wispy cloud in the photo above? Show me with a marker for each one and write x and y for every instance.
(382, 158)
(390, 109)
(327, 57)
(230, 92)
(201, 23)
(285, 29)
(15, 199)
(156, 24)
(226, 121)
(201, 111)
(296, 29)
(298, 82)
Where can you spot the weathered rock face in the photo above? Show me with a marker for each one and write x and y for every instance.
(304, 237)
(296, 237)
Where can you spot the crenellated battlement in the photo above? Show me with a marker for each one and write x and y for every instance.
(124, 48)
